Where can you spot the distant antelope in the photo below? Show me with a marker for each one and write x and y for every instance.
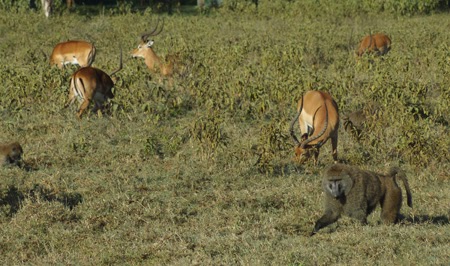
(47, 6)
(73, 52)
(379, 44)
(318, 117)
(90, 83)
(163, 66)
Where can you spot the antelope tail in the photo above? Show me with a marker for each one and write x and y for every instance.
(307, 141)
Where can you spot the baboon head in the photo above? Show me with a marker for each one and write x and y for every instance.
(338, 186)
(15, 152)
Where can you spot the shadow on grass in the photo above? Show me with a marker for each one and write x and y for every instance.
(13, 197)
(423, 219)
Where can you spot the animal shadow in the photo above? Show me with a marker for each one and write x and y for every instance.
(422, 219)
(69, 200)
(14, 197)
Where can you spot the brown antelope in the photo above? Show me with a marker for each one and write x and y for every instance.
(318, 117)
(90, 83)
(165, 66)
(73, 52)
(379, 44)
(47, 6)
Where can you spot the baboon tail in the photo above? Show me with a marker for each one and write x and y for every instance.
(397, 172)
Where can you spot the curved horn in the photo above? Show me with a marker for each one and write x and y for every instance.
(291, 129)
(307, 141)
(154, 32)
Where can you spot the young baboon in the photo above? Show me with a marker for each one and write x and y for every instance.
(356, 193)
(355, 123)
(11, 154)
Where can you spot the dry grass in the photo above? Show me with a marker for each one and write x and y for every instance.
(201, 172)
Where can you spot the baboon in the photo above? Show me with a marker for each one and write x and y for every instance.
(356, 193)
(355, 123)
(11, 154)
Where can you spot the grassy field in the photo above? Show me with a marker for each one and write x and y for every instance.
(201, 173)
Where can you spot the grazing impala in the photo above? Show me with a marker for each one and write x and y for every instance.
(379, 44)
(317, 114)
(73, 52)
(90, 83)
(165, 66)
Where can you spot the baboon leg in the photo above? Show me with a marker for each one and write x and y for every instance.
(391, 204)
(359, 215)
(328, 218)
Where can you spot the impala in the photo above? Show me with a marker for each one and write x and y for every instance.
(73, 52)
(378, 43)
(165, 66)
(90, 83)
(317, 114)
(47, 6)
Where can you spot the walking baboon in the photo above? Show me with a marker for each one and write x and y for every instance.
(11, 154)
(356, 193)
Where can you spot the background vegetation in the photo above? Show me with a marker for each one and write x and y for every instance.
(202, 172)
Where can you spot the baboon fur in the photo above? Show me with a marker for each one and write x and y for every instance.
(355, 123)
(10, 154)
(356, 193)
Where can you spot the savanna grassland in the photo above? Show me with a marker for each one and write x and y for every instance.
(201, 172)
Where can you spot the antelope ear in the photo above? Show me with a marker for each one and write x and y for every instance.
(304, 137)
(149, 43)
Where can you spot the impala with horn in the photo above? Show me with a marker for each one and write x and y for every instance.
(91, 84)
(379, 44)
(73, 52)
(165, 66)
(317, 114)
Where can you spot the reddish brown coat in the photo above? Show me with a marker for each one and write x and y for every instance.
(378, 43)
(318, 118)
(73, 52)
